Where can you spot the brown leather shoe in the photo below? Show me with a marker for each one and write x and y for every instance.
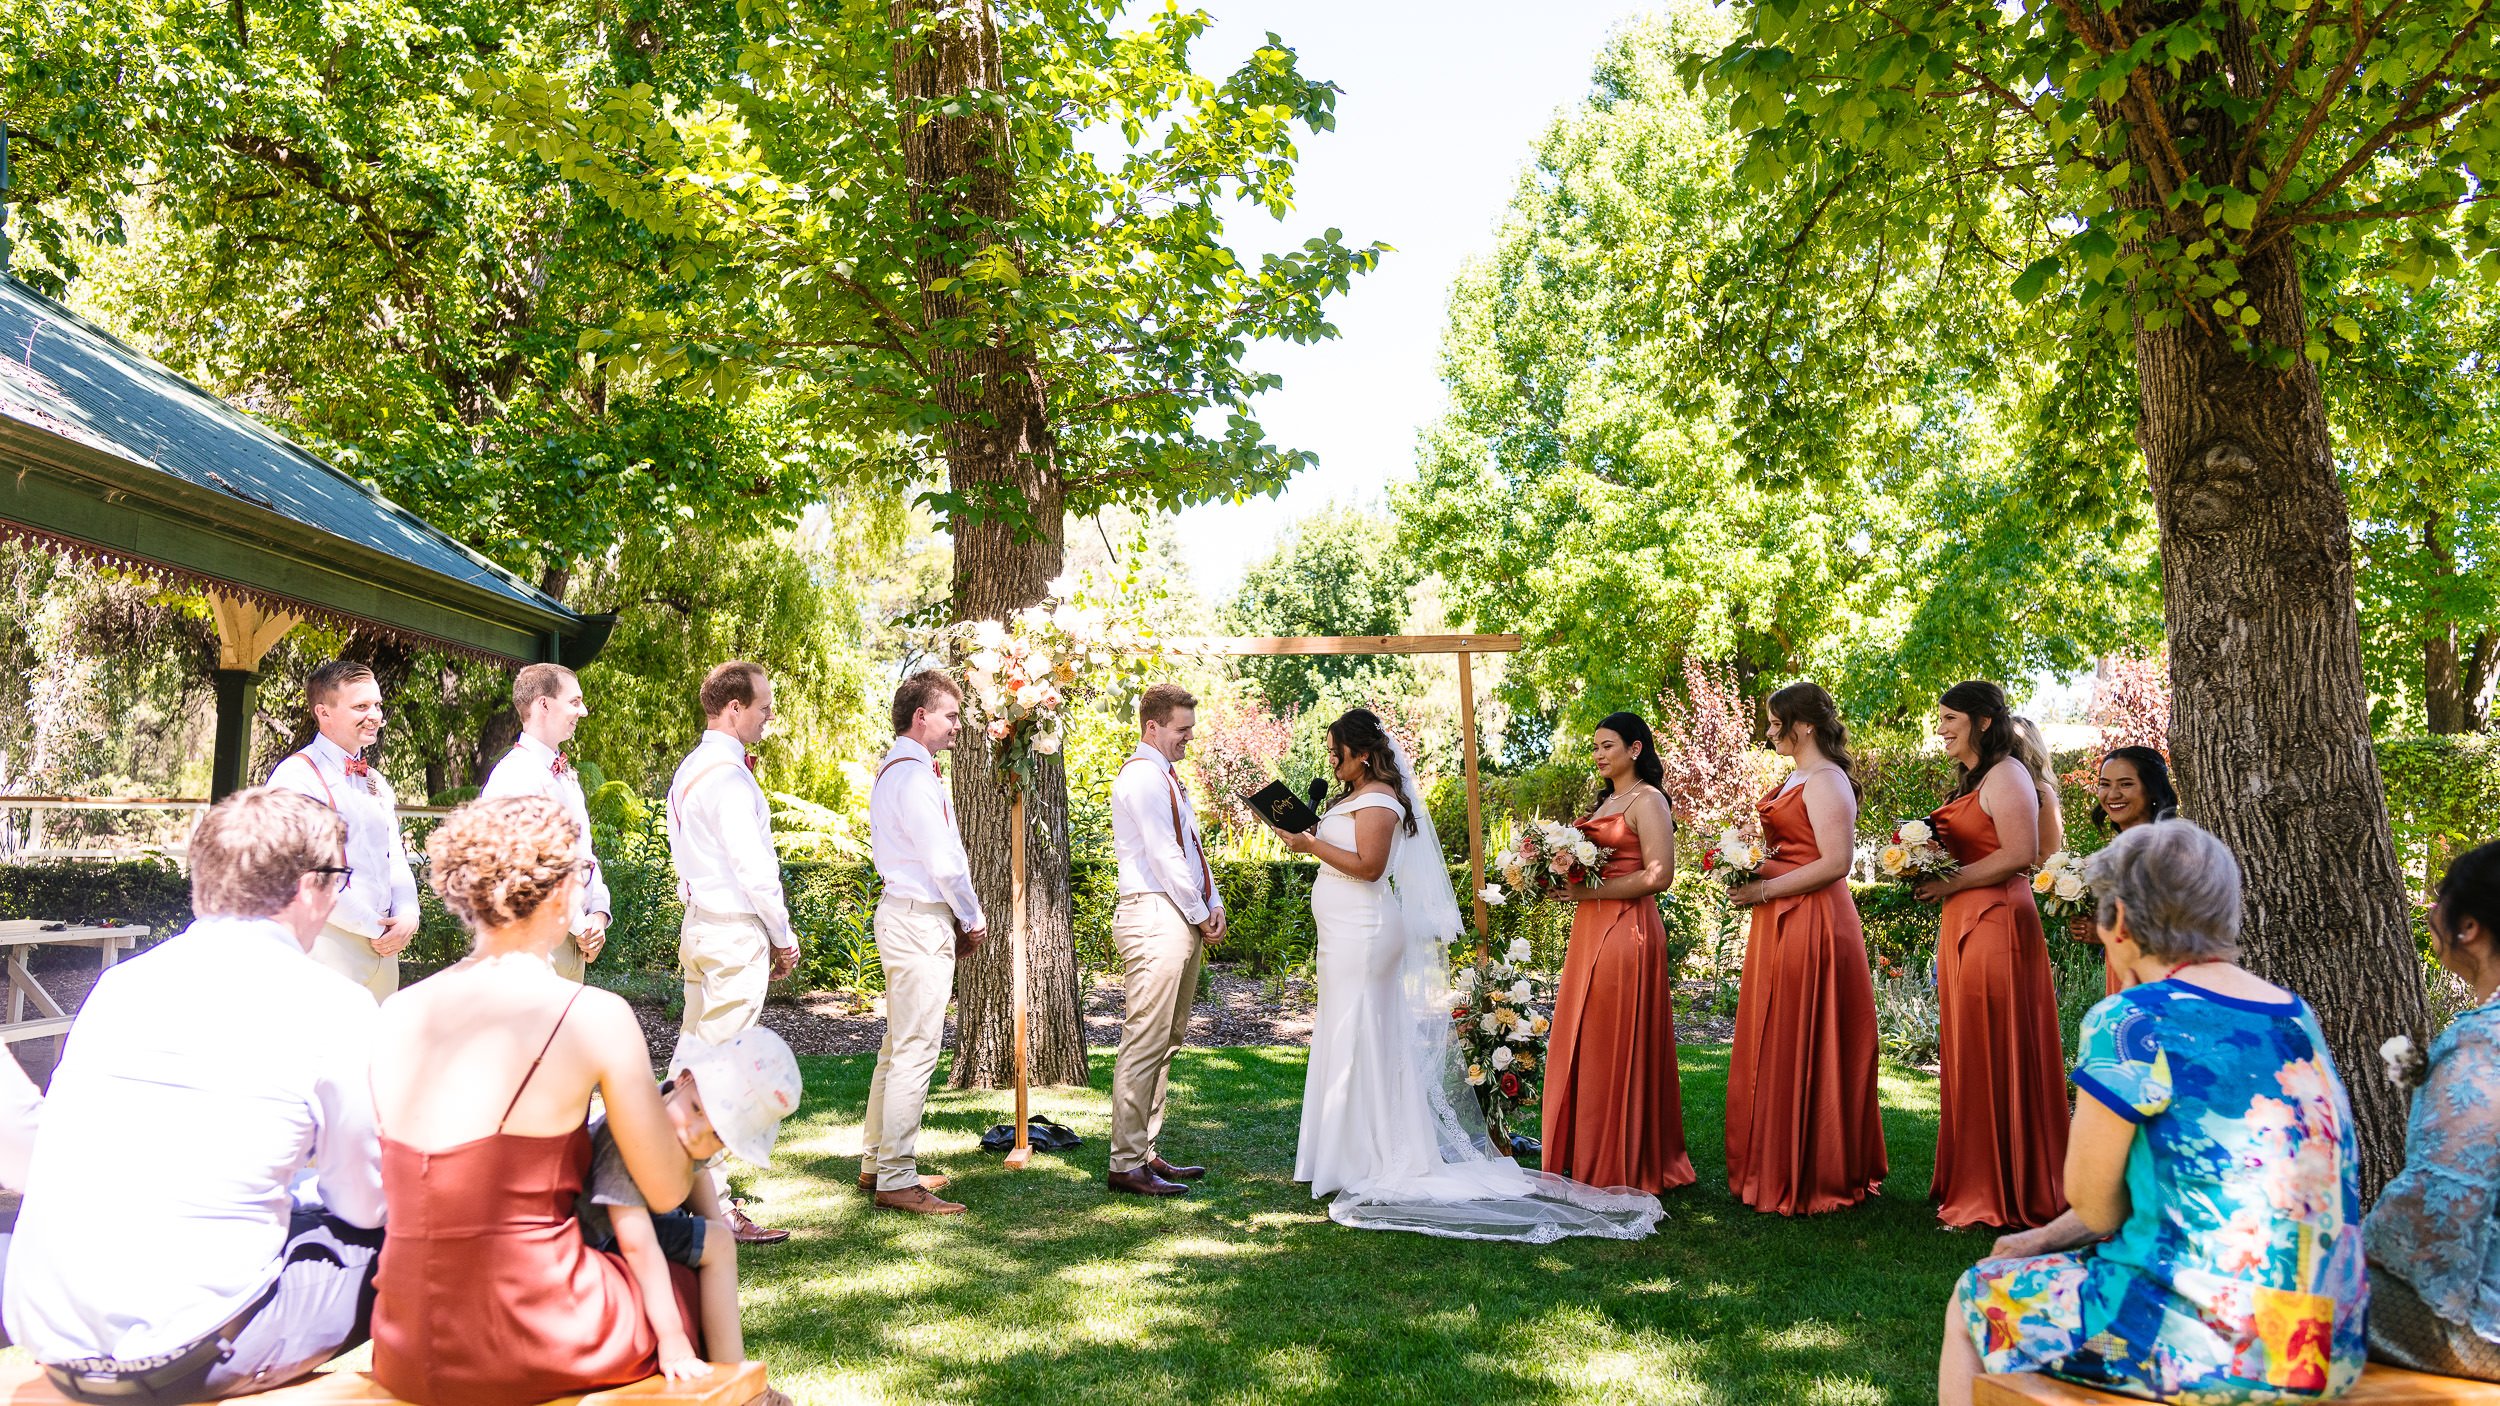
(1169, 1172)
(918, 1201)
(1143, 1182)
(929, 1181)
(747, 1232)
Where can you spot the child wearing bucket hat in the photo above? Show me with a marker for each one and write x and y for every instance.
(723, 1100)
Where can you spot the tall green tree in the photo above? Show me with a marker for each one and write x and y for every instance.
(1665, 440)
(1336, 572)
(993, 236)
(2192, 170)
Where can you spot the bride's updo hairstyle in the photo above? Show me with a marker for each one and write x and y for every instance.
(497, 862)
(1357, 733)
(1804, 703)
(1992, 724)
(1645, 763)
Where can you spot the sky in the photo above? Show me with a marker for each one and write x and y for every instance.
(1443, 101)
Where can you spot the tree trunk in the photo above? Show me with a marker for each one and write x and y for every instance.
(1007, 522)
(2270, 718)
(2456, 683)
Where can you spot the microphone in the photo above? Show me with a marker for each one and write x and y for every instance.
(1319, 793)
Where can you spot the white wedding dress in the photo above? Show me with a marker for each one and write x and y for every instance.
(1389, 1124)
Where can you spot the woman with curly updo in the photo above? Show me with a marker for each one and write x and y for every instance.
(481, 1076)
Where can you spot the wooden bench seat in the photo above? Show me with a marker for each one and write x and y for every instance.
(2379, 1386)
(24, 1384)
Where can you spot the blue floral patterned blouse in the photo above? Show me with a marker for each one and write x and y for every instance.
(2434, 1225)
(2238, 1275)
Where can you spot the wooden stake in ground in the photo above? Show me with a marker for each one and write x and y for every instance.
(1023, 1152)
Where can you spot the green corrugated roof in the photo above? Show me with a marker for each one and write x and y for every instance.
(104, 452)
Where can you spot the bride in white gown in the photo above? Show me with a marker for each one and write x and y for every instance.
(1389, 1124)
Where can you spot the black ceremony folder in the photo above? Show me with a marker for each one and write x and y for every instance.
(1280, 807)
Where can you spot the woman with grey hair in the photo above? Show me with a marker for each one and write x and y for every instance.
(2212, 1248)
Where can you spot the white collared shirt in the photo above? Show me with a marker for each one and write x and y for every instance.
(912, 836)
(720, 835)
(529, 769)
(201, 1078)
(380, 885)
(21, 1116)
(1152, 858)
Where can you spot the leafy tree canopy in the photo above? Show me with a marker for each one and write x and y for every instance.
(1337, 572)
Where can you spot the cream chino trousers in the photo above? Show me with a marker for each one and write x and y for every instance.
(353, 957)
(916, 946)
(1159, 957)
(726, 959)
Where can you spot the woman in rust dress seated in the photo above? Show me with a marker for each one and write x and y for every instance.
(1613, 1114)
(1804, 1132)
(481, 1078)
(2001, 1143)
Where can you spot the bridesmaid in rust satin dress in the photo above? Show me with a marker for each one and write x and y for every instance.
(1805, 1134)
(1614, 1115)
(486, 1295)
(2001, 1143)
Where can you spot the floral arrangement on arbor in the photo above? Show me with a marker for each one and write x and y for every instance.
(1497, 1009)
(1547, 856)
(1914, 855)
(1088, 641)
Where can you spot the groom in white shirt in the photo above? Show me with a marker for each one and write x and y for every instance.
(1168, 911)
(549, 699)
(927, 916)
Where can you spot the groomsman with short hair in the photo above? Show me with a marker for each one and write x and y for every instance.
(549, 699)
(736, 939)
(376, 913)
(1167, 913)
(927, 916)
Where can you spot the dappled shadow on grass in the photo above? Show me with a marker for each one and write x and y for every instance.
(1244, 1291)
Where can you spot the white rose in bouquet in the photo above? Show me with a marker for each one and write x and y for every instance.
(1492, 895)
(1502, 1057)
(1916, 832)
(1519, 950)
(2070, 887)
(1519, 992)
(1586, 853)
(1466, 979)
(1491, 1024)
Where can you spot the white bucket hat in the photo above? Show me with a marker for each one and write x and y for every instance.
(748, 1082)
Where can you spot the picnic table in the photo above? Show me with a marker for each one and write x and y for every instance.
(17, 936)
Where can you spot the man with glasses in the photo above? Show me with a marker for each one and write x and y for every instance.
(377, 907)
(165, 1252)
(549, 699)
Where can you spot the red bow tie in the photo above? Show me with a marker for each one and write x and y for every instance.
(358, 766)
(559, 766)
(750, 761)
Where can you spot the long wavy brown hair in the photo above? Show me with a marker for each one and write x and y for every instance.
(1357, 732)
(1992, 722)
(1806, 702)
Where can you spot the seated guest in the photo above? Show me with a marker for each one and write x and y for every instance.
(2211, 1251)
(2433, 1239)
(481, 1076)
(159, 1256)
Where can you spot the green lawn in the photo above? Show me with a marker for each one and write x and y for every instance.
(1244, 1291)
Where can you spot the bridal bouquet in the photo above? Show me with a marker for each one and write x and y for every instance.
(1548, 856)
(1497, 1006)
(2060, 887)
(1914, 855)
(1737, 859)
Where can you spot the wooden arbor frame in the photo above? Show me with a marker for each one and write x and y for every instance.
(1466, 647)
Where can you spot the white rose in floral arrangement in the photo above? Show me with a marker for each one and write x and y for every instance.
(1465, 980)
(2070, 887)
(1491, 1024)
(1502, 971)
(1585, 852)
(1519, 992)
(1519, 950)
(1492, 895)
(989, 634)
(1502, 1057)
(1916, 832)
(1046, 743)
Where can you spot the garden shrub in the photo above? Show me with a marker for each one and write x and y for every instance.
(152, 891)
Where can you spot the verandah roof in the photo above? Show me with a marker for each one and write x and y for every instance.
(106, 454)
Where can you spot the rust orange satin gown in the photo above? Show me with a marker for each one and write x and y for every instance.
(487, 1295)
(1804, 1132)
(2001, 1143)
(1614, 1115)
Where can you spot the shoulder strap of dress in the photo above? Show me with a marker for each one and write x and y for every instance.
(542, 1055)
